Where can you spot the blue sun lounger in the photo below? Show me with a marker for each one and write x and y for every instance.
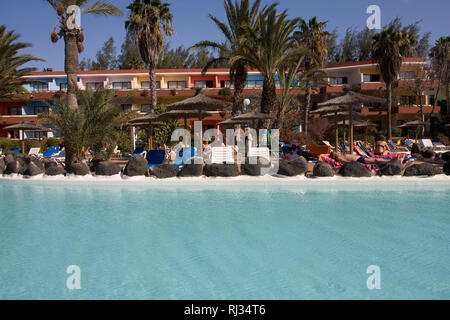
(137, 152)
(183, 155)
(155, 157)
(51, 151)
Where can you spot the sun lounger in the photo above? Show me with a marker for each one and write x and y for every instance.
(439, 146)
(155, 157)
(183, 155)
(318, 150)
(34, 151)
(116, 151)
(222, 155)
(51, 151)
(139, 151)
(426, 143)
(1, 151)
(259, 152)
(15, 150)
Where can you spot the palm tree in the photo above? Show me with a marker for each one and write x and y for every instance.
(92, 125)
(148, 22)
(440, 60)
(74, 37)
(313, 37)
(288, 77)
(267, 48)
(11, 83)
(240, 17)
(311, 77)
(388, 48)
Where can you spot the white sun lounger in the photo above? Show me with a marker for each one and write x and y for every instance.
(34, 151)
(259, 152)
(426, 143)
(222, 154)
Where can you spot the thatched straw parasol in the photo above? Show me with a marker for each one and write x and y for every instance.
(353, 100)
(29, 127)
(414, 124)
(361, 124)
(253, 116)
(184, 114)
(200, 103)
(231, 122)
(150, 120)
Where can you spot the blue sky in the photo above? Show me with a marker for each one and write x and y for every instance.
(34, 20)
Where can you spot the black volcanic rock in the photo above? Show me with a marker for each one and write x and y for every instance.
(354, 169)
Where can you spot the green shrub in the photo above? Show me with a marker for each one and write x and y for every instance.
(51, 142)
(443, 138)
(33, 144)
(123, 140)
(396, 132)
(6, 144)
(362, 137)
(225, 92)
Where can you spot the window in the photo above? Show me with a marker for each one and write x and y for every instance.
(126, 107)
(40, 87)
(63, 87)
(431, 100)
(122, 85)
(226, 84)
(177, 84)
(146, 108)
(146, 85)
(277, 84)
(254, 84)
(203, 84)
(15, 111)
(40, 109)
(407, 100)
(371, 78)
(94, 85)
(338, 80)
(407, 75)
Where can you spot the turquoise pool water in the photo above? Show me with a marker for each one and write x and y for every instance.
(296, 240)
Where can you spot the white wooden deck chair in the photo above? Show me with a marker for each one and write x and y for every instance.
(222, 154)
(34, 151)
(260, 152)
(426, 143)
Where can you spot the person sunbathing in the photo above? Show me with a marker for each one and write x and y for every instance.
(344, 158)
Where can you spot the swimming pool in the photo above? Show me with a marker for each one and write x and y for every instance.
(261, 238)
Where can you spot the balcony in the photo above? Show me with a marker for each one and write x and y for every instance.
(332, 89)
(373, 86)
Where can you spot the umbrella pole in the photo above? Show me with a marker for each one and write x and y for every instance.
(23, 142)
(344, 133)
(201, 133)
(150, 137)
(337, 131)
(350, 110)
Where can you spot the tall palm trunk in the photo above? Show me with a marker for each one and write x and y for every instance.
(240, 79)
(152, 74)
(389, 109)
(307, 104)
(268, 99)
(269, 94)
(71, 67)
(422, 116)
(447, 94)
